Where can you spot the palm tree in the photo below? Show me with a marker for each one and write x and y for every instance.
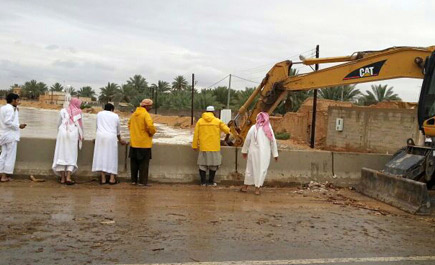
(161, 87)
(33, 89)
(71, 90)
(109, 92)
(14, 86)
(221, 94)
(295, 99)
(241, 96)
(139, 83)
(179, 83)
(86, 92)
(57, 87)
(340, 93)
(157, 90)
(128, 92)
(379, 93)
(206, 98)
(177, 100)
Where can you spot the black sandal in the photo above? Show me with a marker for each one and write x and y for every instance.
(70, 182)
(102, 183)
(113, 183)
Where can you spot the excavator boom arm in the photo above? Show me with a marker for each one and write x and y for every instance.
(396, 62)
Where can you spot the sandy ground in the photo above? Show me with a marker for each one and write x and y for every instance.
(46, 223)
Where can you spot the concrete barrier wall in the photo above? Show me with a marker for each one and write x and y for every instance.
(345, 165)
(35, 156)
(177, 163)
(296, 167)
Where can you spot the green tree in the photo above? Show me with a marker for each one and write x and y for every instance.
(221, 94)
(139, 83)
(206, 98)
(176, 100)
(86, 92)
(241, 96)
(71, 90)
(13, 86)
(127, 93)
(379, 93)
(111, 92)
(179, 83)
(160, 87)
(158, 92)
(56, 87)
(294, 100)
(33, 89)
(340, 93)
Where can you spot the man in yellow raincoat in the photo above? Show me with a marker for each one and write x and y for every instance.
(207, 138)
(141, 141)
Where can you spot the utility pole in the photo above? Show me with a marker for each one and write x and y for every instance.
(229, 89)
(155, 89)
(193, 92)
(313, 120)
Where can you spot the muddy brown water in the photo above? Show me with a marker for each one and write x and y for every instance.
(42, 123)
(46, 223)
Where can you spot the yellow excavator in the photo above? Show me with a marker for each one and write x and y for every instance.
(407, 176)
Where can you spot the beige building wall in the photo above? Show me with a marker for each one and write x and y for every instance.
(57, 98)
(298, 124)
(371, 129)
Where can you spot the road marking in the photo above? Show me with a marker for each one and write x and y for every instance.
(306, 261)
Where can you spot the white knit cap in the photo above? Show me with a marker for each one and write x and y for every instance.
(210, 108)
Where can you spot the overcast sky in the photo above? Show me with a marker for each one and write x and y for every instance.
(94, 42)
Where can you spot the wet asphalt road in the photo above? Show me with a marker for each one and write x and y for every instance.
(45, 223)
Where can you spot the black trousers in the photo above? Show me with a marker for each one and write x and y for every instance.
(139, 164)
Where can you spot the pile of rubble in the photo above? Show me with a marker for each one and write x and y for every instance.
(319, 187)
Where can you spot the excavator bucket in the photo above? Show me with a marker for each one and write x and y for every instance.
(406, 194)
(404, 181)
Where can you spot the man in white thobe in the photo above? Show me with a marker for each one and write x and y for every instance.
(106, 144)
(260, 144)
(9, 135)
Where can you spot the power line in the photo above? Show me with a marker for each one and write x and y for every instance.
(246, 79)
(309, 53)
(218, 82)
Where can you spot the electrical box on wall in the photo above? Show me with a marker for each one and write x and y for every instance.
(339, 124)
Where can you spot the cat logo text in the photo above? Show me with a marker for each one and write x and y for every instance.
(366, 71)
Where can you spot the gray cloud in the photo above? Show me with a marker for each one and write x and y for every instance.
(101, 41)
(66, 64)
(52, 47)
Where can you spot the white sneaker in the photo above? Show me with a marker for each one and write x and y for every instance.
(214, 184)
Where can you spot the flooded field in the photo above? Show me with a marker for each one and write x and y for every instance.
(42, 123)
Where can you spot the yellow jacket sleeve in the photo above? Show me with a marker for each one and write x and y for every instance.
(195, 136)
(224, 127)
(149, 125)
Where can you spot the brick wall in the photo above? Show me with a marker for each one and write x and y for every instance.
(371, 129)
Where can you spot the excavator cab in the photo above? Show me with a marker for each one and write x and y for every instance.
(426, 103)
(407, 178)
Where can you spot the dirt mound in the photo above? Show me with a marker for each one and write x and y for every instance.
(395, 105)
(174, 121)
(39, 105)
(322, 105)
